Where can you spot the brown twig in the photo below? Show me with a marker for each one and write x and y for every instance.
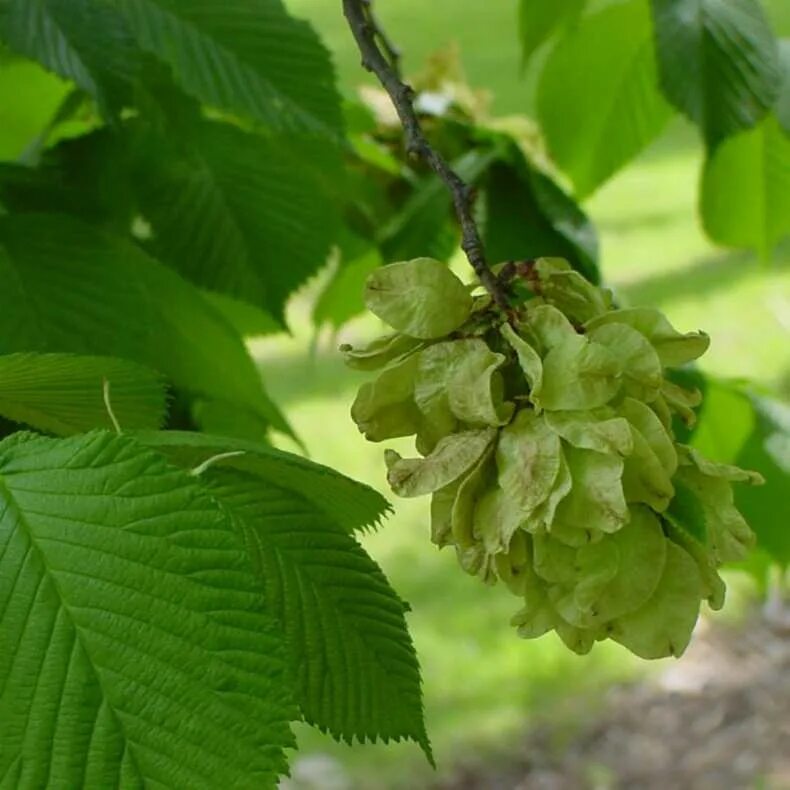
(370, 41)
(387, 45)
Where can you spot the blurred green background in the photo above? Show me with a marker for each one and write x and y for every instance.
(484, 686)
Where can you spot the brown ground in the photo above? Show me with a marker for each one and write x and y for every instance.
(717, 720)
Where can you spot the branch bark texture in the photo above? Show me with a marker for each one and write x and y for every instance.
(380, 57)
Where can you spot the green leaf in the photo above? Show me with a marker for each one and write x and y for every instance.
(539, 21)
(598, 98)
(342, 501)
(767, 451)
(71, 288)
(783, 104)
(253, 59)
(425, 225)
(137, 651)
(341, 297)
(421, 298)
(745, 195)
(85, 41)
(356, 669)
(235, 212)
(63, 393)
(528, 216)
(753, 431)
(717, 62)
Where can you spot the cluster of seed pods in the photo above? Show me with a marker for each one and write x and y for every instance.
(546, 441)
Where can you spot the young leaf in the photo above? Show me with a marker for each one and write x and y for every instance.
(136, 647)
(598, 98)
(745, 195)
(356, 669)
(64, 393)
(718, 62)
(253, 59)
(71, 288)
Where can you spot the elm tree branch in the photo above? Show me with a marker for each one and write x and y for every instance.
(384, 64)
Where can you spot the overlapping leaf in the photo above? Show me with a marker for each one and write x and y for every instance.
(247, 58)
(718, 62)
(136, 649)
(234, 212)
(355, 667)
(70, 288)
(86, 41)
(65, 393)
(343, 502)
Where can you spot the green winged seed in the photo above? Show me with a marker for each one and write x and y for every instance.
(600, 430)
(452, 457)
(441, 513)
(421, 298)
(528, 460)
(496, 519)
(673, 348)
(578, 374)
(681, 401)
(645, 420)
(565, 288)
(513, 566)
(662, 626)
(713, 587)
(641, 550)
(543, 516)
(728, 535)
(645, 480)
(548, 326)
(481, 477)
(553, 561)
(475, 389)
(726, 471)
(434, 366)
(642, 371)
(529, 361)
(538, 616)
(379, 352)
(596, 503)
(385, 408)
(477, 562)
